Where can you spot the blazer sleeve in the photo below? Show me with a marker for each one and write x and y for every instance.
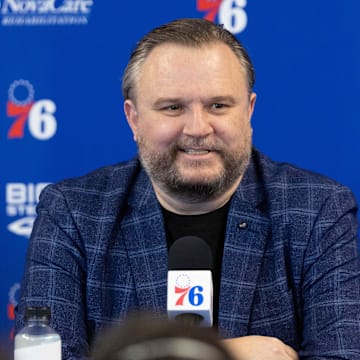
(55, 273)
(331, 282)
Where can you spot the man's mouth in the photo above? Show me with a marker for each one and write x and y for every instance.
(195, 151)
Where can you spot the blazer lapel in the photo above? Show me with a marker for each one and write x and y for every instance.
(247, 231)
(144, 234)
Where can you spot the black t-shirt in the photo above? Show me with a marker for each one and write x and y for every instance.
(209, 227)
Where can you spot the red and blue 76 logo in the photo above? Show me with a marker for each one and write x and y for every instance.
(38, 115)
(230, 13)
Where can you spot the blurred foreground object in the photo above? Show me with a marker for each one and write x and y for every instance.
(146, 338)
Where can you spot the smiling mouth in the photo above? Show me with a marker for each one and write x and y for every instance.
(195, 151)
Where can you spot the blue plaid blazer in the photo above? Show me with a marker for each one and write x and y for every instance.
(98, 251)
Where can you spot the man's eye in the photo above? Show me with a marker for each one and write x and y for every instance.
(173, 107)
(218, 106)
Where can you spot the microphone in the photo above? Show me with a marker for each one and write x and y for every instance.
(190, 286)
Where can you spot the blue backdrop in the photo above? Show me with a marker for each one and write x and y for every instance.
(61, 106)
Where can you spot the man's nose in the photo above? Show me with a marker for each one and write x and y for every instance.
(197, 123)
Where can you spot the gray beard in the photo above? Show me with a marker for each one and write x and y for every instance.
(162, 171)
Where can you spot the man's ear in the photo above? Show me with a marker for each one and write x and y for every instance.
(252, 101)
(131, 116)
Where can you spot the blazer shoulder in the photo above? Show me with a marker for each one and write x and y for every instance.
(287, 185)
(107, 177)
(285, 174)
(108, 184)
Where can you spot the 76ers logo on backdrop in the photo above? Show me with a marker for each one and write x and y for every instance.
(37, 115)
(13, 294)
(191, 294)
(230, 13)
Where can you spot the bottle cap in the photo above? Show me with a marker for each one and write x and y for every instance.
(37, 312)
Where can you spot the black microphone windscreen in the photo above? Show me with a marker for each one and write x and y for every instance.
(190, 253)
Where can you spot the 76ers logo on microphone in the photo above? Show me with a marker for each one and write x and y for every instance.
(38, 115)
(192, 293)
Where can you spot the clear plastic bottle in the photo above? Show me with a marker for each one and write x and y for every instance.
(37, 340)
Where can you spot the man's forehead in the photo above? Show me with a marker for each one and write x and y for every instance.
(175, 69)
(169, 54)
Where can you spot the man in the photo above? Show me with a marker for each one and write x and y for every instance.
(284, 240)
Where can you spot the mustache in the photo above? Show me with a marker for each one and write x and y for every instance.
(198, 143)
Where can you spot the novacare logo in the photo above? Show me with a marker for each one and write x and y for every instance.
(45, 12)
(46, 6)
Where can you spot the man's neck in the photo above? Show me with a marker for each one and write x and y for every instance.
(180, 206)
